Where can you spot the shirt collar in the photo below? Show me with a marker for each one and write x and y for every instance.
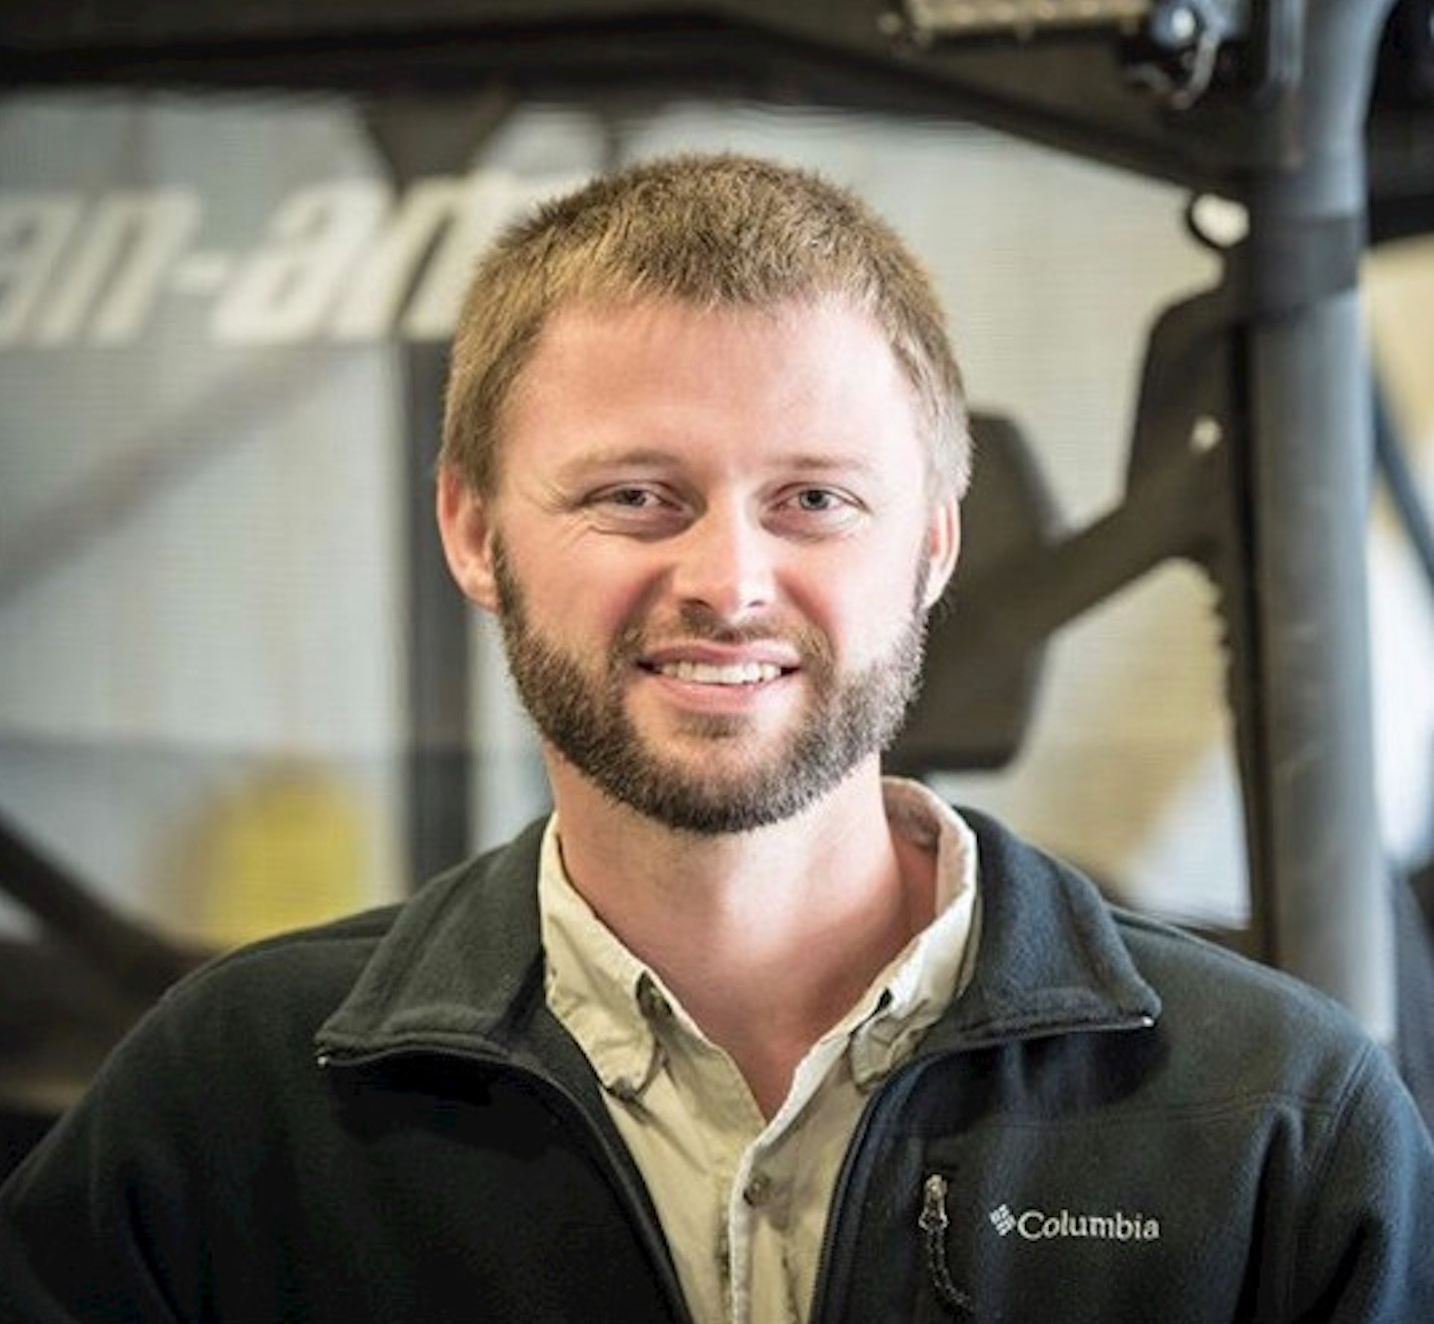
(908, 996)
(594, 984)
(612, 1003)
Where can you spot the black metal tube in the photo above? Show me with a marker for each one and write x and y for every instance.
(1317, 848)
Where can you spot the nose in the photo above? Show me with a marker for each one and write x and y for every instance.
(726, 562)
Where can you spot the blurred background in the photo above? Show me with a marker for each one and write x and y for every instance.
(236, 696)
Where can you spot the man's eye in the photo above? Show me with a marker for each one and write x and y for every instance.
(632, 498)
(817, 512)
(818, 500)
(634, 509)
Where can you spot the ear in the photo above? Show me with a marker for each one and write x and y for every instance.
(943, 545)
(465, 526)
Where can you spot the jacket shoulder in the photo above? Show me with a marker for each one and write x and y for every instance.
(1183, 964)
(1244, 1030)
(1224, 1027)
(296, 978)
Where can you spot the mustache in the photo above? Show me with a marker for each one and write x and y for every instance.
(697, 623)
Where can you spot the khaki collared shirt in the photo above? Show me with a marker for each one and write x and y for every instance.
(743, 1200)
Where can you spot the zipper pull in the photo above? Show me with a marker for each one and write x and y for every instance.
(933, 1222)
(933, 1205)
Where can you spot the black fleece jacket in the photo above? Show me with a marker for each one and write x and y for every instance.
(380, 1120)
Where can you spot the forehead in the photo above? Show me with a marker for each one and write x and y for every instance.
(817, 376)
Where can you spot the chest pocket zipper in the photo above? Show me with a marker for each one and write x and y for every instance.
(933, 1223)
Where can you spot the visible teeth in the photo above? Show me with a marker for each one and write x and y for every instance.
(705, 673)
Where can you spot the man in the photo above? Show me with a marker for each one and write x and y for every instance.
(742, 1032)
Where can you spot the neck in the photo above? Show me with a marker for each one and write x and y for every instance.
(767, 937)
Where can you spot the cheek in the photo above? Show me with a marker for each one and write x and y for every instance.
(860, 611)
(583, 598)
(877, 588)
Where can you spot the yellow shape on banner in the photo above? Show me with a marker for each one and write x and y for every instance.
(286, 850)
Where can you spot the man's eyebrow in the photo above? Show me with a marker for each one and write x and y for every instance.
(601, 461)
(833, 462)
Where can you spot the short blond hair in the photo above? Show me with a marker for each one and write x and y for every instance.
(710, 231)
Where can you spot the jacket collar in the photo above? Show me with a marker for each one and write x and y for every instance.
(1050, 960)
(461, 967)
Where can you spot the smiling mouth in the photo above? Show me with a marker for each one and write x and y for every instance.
(709, 673)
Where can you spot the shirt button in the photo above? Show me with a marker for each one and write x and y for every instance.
(653, 1004)
(759, 1190)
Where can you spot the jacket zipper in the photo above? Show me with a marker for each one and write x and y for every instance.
(894, 1088)
(651, 1235)
(933, 1222)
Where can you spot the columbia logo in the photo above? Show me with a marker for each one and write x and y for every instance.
(1003, 1220)
(1036, 1225)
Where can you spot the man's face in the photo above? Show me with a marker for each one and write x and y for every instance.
(711, 551)
(582, 710)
